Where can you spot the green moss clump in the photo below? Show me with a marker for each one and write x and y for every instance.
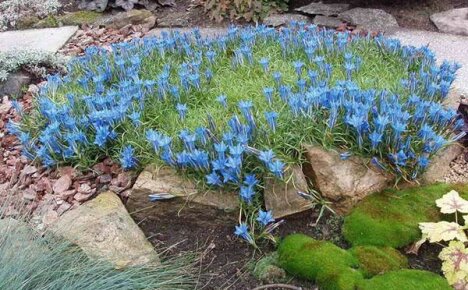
(391, 218)
(405, 279)
(267, 270)
(49, 21)
(80, 17)
(378, 260)
(320, 261)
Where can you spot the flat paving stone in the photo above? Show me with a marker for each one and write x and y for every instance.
(446, 47)
(48, 39)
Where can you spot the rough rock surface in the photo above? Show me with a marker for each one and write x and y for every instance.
(453, 21)
(94, 5)
(176, 19)
(369, 19)
(327, 21)
(103, 228)
(134, 17)
(282, 198)
(344, 182)
(458, 169)
(14, 84)
(323, 9)
(276, 20)
(166, 180)
(440, 164)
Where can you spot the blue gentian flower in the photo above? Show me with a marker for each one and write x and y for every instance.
(182, 110)
(265, 217)
(242, 231)
(127, 158)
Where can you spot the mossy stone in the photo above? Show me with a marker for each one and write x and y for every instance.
(391, 218)
(27, 22)
(80, 17)
(405, 279)
(378, 260)
(307, 258)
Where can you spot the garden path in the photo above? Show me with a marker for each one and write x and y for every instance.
(446, 47)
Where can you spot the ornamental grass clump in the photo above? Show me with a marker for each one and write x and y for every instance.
(230, 109)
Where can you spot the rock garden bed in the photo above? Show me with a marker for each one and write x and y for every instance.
(297, 156)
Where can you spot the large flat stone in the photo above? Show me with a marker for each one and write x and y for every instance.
(47, 39)
(332, 9)
(453, 21)
(276, 20)
(446, 47)
(369, 19)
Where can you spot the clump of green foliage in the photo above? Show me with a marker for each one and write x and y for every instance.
(391, 218)
(31, 261)
(377, 260)
(405, 279)
(33, 60)
(333, 268)
(249, 10)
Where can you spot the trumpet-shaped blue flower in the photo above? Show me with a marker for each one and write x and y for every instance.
(127, 157)
(265, 217)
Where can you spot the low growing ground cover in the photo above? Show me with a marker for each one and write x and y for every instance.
(235, 108)
(334, 268)
(392, 218)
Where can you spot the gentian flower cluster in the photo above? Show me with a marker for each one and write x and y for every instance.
(168, 96)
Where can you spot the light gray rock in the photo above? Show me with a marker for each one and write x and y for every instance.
(439, 166)
(344, 182)
(276, 20)
(327, 21)
(453, 21)
(369, 19)
(332, 9)
(165, 180)
(282, 198)
(14, 84)
(47, 39)
(103, 229)
(94, 5)
(445, 46)
(176, 19)
(122, 19)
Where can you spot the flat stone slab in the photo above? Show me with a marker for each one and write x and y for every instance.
(276, 20)
(446, 47)
(372, 20)
(48, 39)
(332, 9)
(453, 21)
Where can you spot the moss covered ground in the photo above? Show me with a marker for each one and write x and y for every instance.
(391, 218)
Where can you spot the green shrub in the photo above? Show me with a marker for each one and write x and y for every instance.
(392, 218)
(376, 260)
(30, 261)
(250, 10)
(405, 280)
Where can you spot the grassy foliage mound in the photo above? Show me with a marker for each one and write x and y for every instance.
(392, 218)
(333, 268)
(211, 106)
(30, 261)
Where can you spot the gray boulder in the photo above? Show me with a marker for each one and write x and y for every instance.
(332, 9)
(103, 229)
(14, 84)
(372, 20)
(453, 21)
(176, 19)
(281, 197)
(439, 166)
(344, 182)
(276, 20)
(327, 21)
(135, 17)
